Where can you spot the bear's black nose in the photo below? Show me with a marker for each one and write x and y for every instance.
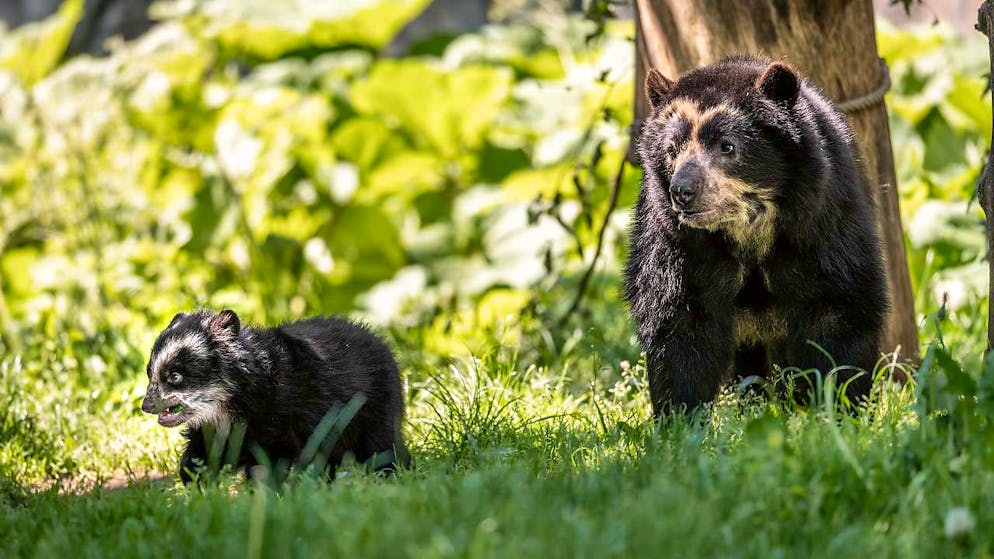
(684, 185)
(683, 196)
(150, 404)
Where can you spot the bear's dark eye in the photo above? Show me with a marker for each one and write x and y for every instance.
(727, 148)
(174, 378)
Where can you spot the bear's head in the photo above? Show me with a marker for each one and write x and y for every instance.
(723, 145)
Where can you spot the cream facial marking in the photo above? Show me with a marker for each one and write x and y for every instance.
(744, 211)
(747, 214)
(691, 112)
(207, 406)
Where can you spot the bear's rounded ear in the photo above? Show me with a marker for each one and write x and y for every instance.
(657, 87)
(779, 83)
(226, 321)
(179, 316)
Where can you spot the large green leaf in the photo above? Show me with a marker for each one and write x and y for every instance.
(364, 244)
(446, 111)
(34, 50)
(370, 24)
(267, 30)
(365, 141)
(406, 175)
(950, 224)
(967, 107)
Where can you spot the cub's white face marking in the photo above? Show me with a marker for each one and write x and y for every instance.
(198, 405)
(206, 406)
(195, 342)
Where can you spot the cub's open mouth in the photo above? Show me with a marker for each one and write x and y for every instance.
(172, 416)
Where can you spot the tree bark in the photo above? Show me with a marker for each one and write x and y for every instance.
(985, 190)
(831, 41)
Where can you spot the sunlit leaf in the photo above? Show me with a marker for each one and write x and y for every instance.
(34, 50)
(263, 30)
(366, 141)
(365, 245)
(547, 182)
(447, 111)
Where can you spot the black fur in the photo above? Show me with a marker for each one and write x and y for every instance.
(273, 386)
(822, 274)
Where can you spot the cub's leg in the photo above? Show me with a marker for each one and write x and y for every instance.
(194, 457)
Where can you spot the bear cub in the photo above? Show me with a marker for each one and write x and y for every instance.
(306, 392)
(753, 235)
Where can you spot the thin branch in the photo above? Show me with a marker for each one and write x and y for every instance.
(585, 280)
(569, 229)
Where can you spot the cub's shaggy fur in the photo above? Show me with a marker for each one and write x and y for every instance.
(267, 392)
(753, 234)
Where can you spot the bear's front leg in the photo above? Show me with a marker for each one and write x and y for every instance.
(688, 362)
(194, 456)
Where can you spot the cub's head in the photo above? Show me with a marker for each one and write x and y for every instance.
(190, 369)
(719, 146)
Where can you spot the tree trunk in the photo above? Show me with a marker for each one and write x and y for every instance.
(985, 190)
(832, 42)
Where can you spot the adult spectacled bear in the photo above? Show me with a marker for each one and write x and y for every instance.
(754, 241)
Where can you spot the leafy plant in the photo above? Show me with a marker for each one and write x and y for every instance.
(941, 129)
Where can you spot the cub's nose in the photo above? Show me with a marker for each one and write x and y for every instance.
(148, 405)
(685, 185)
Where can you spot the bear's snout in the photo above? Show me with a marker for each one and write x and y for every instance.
(152, 402)
(686, 185)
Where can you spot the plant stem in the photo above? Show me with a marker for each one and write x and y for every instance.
(585, 280)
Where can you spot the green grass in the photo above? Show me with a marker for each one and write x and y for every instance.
(519, 460)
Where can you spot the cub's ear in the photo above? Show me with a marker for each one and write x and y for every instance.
(177, 318)
(657, 87)
(779, 83)
(226, 321)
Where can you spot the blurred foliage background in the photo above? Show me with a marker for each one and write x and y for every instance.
(267, 157)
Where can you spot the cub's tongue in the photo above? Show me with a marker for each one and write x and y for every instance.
(171, 416)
